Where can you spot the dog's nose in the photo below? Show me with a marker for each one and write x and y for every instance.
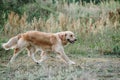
(75, 39)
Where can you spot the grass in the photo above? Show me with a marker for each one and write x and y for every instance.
(86, 68)
(96, 52)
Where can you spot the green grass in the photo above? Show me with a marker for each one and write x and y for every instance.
(96, 51)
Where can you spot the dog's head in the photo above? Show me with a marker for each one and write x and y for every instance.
(67, 36)
(70, 37)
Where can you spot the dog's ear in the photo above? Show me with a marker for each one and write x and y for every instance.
(62, 36)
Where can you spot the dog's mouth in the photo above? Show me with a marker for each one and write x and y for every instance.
(71, 41)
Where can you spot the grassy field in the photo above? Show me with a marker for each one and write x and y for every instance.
(87, 67)
(96, 52)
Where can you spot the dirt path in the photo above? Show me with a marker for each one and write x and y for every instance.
(85, 69)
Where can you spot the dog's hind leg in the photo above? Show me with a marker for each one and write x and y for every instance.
(31, 52)
(21, 44)
(16, 52)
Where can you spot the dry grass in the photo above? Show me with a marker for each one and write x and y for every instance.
(80, 19)
(53, 69)
(98, 31)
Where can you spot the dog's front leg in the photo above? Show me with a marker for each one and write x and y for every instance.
(31, 52)
(43, 57)
(62, 54)
(33, 58)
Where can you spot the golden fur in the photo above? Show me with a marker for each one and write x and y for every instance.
(35, 40)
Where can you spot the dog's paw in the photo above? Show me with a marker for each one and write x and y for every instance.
(39, 62)
(71, 62)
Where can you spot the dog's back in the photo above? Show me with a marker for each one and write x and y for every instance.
(39, 38)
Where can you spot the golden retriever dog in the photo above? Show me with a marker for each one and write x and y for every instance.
(36, 40)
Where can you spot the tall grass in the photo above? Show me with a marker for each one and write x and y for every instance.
(96, 26)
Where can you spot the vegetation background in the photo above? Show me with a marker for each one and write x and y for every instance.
(96, 24)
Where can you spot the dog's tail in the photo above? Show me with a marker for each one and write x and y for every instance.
(11, 43)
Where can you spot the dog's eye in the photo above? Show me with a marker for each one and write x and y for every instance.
(71, 35)
(65, 34)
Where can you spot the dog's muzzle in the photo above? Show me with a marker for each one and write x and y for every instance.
(71, 41)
